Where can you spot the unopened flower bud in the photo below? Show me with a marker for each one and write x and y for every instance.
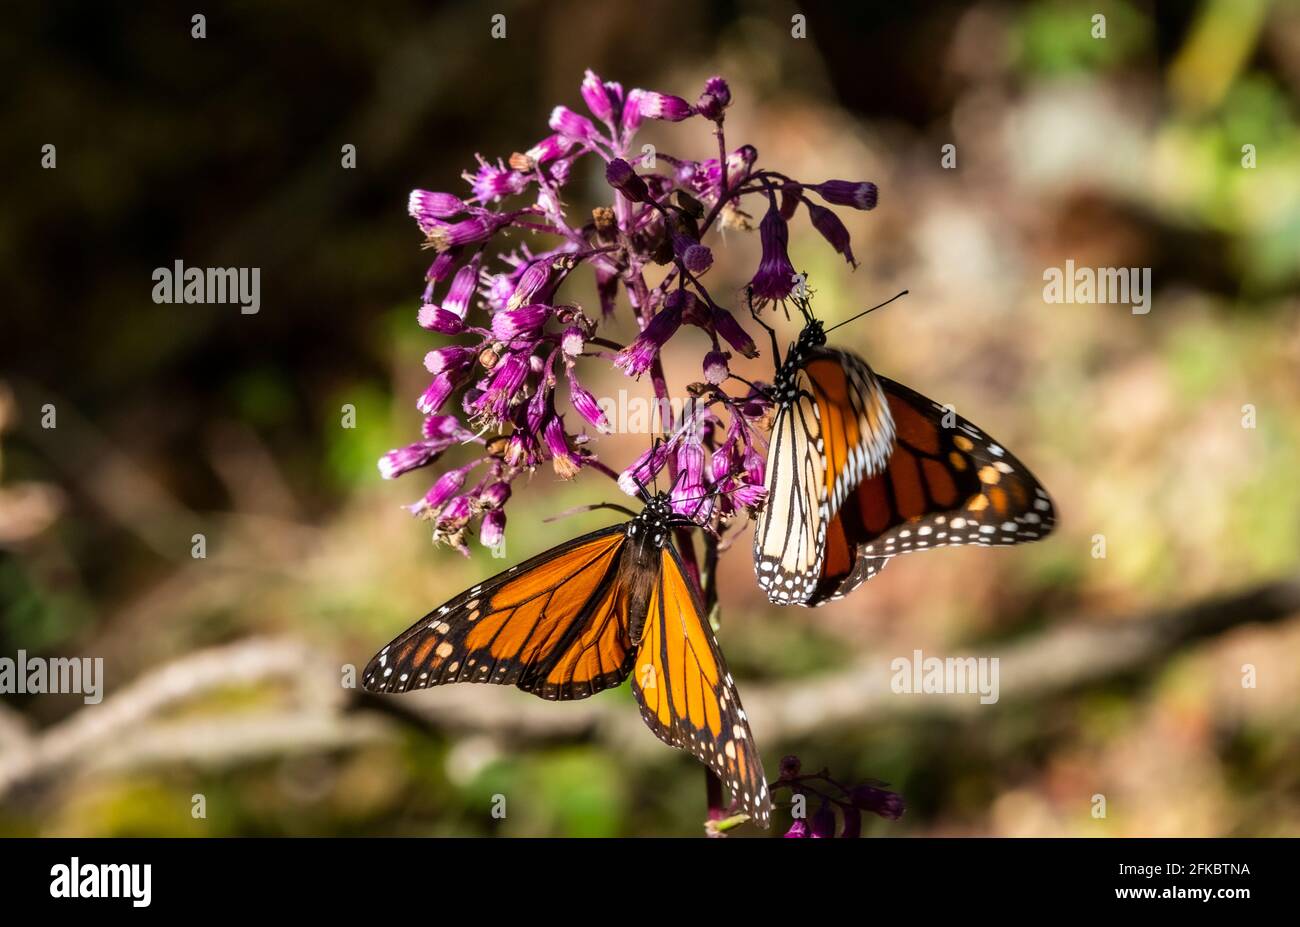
(620, 176)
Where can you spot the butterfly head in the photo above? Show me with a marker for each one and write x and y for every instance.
(786, 386)
(654, 521)
(812, 336)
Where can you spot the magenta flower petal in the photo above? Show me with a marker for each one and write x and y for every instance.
(585, 404)
(512, 323)
(493, 529)
(637, 357)
(833, 230)
(645, 468)
(596, 96)
(822, 823)
(437, 319)
(664, 106)
(620, 175)
(436, 394)
(715, 368)
(548, 149)
(714, 100)
(725, 324)
(858, 194)
(448, 359)
(572, 126)
(495, 496)
(694, 256)
(426, 207)
(491, 183)
(531, 287)
(563, 459)
(775, 277)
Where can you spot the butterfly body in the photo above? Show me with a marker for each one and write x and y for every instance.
(647, 535)
(583, 617)
(861, 468)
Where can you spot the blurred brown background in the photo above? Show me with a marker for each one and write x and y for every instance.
(222, 673)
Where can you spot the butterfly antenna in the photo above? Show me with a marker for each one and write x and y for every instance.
(684, 520)
(579, 509)
(771, 332)
(865, 311)
(699, 503)
(677, 479)
(804, 303)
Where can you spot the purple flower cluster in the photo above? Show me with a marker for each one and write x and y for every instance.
(832, 809)
(499, 388)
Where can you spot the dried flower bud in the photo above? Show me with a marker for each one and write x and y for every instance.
(606, 223)
(689, 204)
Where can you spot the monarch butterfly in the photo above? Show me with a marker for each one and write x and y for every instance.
(861, 468)
(582, 617)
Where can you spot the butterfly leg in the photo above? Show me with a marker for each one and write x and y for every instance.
(771, 332)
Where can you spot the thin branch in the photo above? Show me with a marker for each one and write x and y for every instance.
(131, 730)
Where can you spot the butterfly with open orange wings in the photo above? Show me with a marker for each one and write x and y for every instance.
(582, 617)
(861, 468)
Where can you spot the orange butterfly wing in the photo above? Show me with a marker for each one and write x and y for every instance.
(857, 429)
(942, 486)
(555, 625)
(687, 696)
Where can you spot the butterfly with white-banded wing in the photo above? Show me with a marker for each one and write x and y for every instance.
(861, 468)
